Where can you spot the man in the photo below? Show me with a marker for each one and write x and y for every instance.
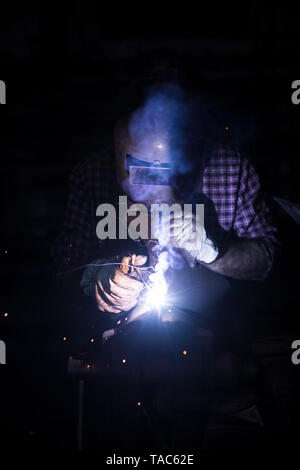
(162, 137)
(165, 151)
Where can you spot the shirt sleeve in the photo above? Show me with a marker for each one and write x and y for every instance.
(253, 218)
(73, 244)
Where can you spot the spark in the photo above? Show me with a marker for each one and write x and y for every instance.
(159, 145)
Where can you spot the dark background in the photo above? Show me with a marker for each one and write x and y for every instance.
(65, 70)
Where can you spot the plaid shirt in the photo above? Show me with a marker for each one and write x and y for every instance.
(229, 182)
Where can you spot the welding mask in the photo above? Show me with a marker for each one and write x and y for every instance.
(143, 159)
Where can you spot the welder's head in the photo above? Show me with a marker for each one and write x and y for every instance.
(143, 157)
(160, 145)
(146, 140)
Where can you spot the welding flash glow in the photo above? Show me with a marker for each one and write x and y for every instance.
(156, 295)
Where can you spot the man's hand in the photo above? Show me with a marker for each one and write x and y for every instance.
(189, 235)
(124, 288)
(245, 259)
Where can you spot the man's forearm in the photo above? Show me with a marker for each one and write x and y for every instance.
(244, 259)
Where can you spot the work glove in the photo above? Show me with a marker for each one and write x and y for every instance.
(115, 286)
(189, 235)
